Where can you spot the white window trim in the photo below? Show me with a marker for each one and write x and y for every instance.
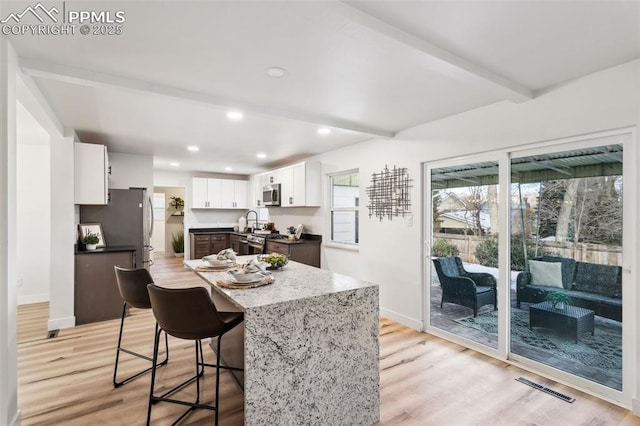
(330, 243)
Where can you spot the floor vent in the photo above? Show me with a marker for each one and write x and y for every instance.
(52, 333)
(562, 396)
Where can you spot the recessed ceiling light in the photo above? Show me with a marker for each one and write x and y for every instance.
(261, 155)
(275, 72)
(324, 131)
(174, 164)
(193, 148)
(234, 115)
(228, 169)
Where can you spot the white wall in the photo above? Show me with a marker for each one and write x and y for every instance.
(63, 234)
(390, 250)
(9, 414)
(33, 202)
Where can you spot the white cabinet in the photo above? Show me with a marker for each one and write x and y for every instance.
(286, 187)
(234, 194)
(210, 193)
(204, 193)
(91, 173)
(301, 186)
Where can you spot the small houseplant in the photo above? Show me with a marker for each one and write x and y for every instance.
(91, 241)
(177, 243)
(558, 299)
(292, 232)
(177, 202)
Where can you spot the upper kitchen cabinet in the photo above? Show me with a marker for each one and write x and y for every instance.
(234, 194)
(209, 193)
(205, 193)
(91, 173)
(300, 185)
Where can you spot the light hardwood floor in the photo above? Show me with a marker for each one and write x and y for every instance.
(424, 380)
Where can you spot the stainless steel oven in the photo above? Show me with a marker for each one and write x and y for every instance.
(256, 243)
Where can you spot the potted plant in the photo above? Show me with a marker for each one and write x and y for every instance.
(558, 299)
(177, 202)
(90, 241)
(177, 243)
(292, 232)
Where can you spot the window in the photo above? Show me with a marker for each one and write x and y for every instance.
(345, 199)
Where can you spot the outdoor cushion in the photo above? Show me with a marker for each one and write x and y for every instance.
(546, 273)
(568, 267)
(596, 278)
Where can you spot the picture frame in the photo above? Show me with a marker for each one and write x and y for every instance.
(85, 229)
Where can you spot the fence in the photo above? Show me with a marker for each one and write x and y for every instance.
(582, 252)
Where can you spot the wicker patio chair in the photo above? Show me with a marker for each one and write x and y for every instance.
(470, 289)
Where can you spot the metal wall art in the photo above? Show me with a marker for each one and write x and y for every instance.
(389, 193)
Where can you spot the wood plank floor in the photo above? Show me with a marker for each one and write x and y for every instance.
(424, 380)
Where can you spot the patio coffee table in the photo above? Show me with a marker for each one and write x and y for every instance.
(570, 319)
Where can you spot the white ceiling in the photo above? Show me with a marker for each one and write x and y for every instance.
(365, 69)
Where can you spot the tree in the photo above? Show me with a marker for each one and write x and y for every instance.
(474, 204)
(435, 212)
(582, 210)
(492, 200)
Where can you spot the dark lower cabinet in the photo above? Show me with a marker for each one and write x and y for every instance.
(96, 295)
(307, 252)
(206, 244)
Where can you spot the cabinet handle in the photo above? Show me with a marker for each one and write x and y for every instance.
(270, 179)
(290, 200)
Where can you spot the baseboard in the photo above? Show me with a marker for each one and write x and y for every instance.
(635, 406)
(402, 319)
(33, 298)
(60, 323)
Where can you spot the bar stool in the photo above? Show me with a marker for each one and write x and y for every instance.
(189, 314)
(132, 284)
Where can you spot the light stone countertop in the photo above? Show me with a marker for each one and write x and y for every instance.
(295, 281)
(309, 347)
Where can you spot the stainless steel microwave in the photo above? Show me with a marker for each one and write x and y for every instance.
(271, 195)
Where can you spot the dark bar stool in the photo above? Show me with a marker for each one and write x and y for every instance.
(132, 284)
(189, 314)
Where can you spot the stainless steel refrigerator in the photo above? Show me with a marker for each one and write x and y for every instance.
(127, 220)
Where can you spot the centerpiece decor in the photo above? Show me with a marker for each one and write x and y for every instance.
(558, 299)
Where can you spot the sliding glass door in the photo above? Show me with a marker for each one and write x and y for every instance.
(567, 243)
(529, 254)
(464, 251)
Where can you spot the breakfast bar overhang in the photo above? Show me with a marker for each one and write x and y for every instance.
(310, 346)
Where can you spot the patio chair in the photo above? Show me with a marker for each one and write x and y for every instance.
(470, 289)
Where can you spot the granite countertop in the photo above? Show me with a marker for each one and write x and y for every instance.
(301, 241)
(295, 281)
(211, 230)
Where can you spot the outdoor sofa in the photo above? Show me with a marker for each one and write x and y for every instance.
(589, 285)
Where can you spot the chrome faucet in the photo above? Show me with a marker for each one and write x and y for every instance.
(247, 216)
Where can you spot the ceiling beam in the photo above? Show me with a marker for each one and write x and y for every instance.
(447, 63)
(52, 71)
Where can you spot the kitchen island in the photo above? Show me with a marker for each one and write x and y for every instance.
(310, 347)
